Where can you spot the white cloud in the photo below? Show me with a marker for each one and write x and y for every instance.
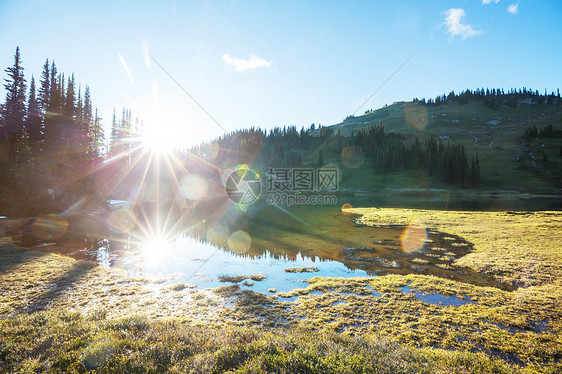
(241, 65)
(513, 8)
(455, 26)
(486, 2)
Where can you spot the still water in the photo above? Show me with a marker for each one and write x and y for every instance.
(196, 245)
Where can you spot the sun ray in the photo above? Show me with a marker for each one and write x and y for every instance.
(141, 182)
(122, 177)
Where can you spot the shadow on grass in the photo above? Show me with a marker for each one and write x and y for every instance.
(57, 286)
(12, 256)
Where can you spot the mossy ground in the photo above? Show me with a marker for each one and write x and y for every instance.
(72, 343)
(520, 248)
(60, 314)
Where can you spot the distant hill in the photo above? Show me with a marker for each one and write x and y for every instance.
(483, 141)
(495, 134)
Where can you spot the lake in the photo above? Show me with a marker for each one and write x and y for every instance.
(197, 244)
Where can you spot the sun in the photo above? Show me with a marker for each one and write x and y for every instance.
(162, 132)
(163, 136)
(155, 250)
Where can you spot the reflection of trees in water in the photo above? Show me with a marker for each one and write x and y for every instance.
(275, 234)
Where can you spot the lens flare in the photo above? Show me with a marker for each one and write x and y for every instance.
(101, 350)
(146, 54)
(87, 227)
(416, 115)
(242, 169)
(193, 187)
(218, 236)
(122, 221)
(240, 242)
(157, 191)
(352, 156)
(345, 207)
(125, 67)
(414, 236)
(49, 227)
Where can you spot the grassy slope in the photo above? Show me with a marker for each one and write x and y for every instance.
(496, 144)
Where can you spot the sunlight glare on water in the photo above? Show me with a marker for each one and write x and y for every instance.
(155, 250)
(193, 187)
(197, 262)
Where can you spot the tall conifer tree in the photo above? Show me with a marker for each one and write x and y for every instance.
(14, 111)
(33, 123)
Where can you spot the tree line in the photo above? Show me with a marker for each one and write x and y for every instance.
(548, 131)
(53, 116)
(51, 137)
(495, 97)
(370, 147)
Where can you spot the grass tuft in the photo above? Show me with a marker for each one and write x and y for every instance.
(302, 270)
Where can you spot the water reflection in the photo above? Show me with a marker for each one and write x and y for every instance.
(196, 244)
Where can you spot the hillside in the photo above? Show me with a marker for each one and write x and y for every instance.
(495, 135)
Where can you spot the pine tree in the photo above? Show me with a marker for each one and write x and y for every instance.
(79, 106)
(54, 79)
(52, 126)
(81, 127)
(320, 159)
(88, 122)
(44, 91)
(98, 137)
(69, 113)
(14, 111)
(33, 123)
(114, 136)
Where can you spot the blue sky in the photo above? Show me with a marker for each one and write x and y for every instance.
(315, 61)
